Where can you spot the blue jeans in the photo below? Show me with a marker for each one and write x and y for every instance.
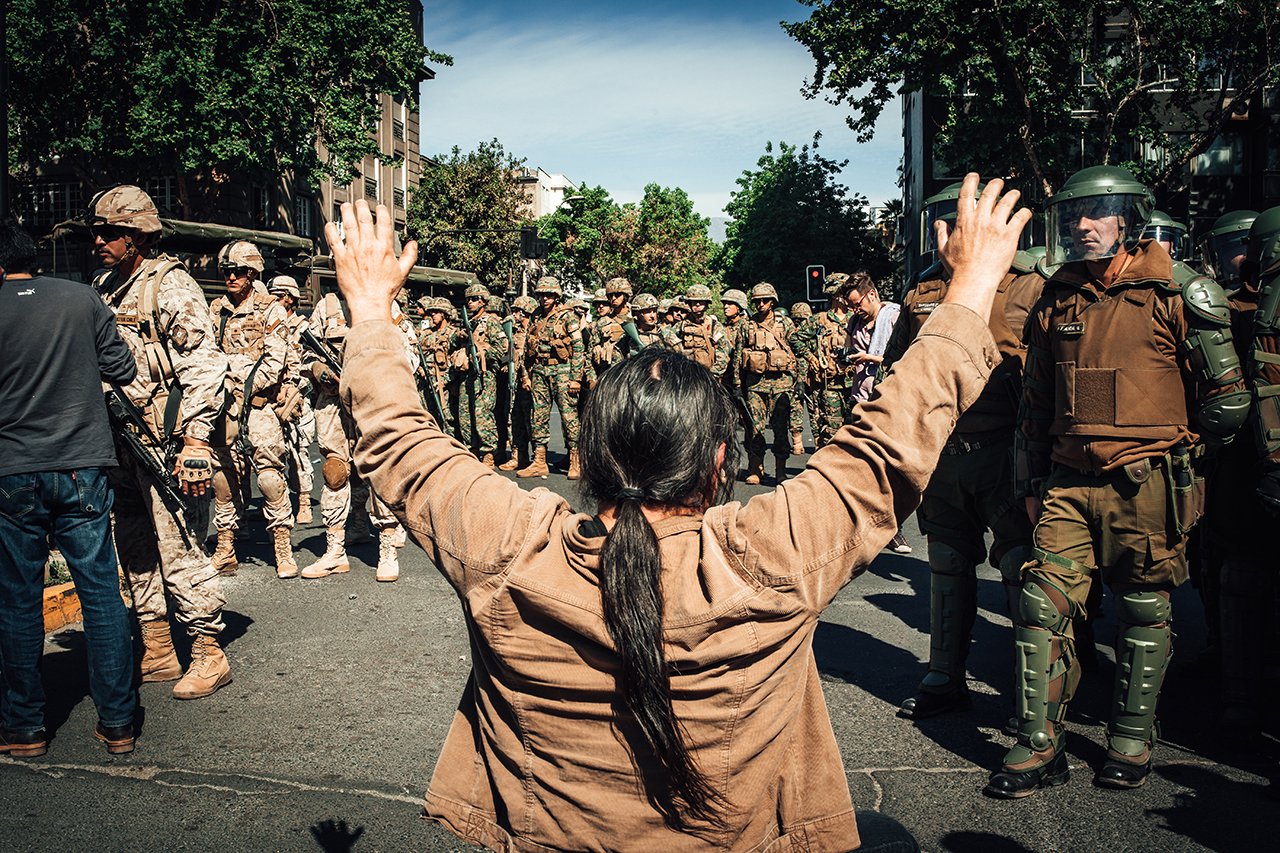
(73, 509)
(880, 833)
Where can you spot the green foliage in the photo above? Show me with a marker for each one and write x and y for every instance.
(790, 213)
(176, 87)
(475, 190)
(660, 246)
(1033, 77)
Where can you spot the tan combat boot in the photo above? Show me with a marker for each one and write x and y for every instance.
(224, 557)
(159, 662)
(388, 562)
(209, 670)
(334, 559)
(487, 461)
(286, 566)
(519, 460)
(304, 510)
(538, 467)
(755, 469)
(779, 470)
(797, 443)
(574, 473)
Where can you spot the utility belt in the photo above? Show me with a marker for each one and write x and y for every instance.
(548, 361)
(958, 445)
(1184, 484)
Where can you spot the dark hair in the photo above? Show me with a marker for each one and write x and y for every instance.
(652, 430)
(17, 249)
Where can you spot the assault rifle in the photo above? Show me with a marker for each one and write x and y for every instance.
(146, 449)
(431, 397)
(630, 328)
(476, 370)
(323, 350)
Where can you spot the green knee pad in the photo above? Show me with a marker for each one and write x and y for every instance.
(1038, 623)
(953, 605)
(1142, 656)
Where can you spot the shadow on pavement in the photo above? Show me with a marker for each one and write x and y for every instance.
(1219, 813)
(333, 836)
(980, 842)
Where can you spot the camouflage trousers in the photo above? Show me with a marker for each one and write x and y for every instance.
(158, 564)
(298, 435)
(550, 384)
(232, 469)
(832, 401)
(481, 391)
(769, 402)
(336, 435)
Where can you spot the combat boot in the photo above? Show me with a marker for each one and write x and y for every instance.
(388, 562)
(519, 460)
(334, 559)
(797, 443)
(159, 662)
(538, 467)
(574, 473)
(286, 565)
(209, 670)
(224, 558)
(487, 461)
(779, 470)
(755, 469)
(304, 510)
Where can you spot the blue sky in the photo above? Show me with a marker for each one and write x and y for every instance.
(624, 94)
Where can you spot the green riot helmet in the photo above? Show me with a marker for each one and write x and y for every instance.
(1172, 235)
(1099, 213)
(941, 206)
(1258, 254)
(1222, 249)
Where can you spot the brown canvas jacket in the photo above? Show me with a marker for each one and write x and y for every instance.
(536, 759)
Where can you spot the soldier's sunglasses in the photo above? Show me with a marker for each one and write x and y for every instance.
(107, 233)
(234, 272)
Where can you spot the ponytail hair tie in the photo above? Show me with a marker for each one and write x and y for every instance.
(630, 495)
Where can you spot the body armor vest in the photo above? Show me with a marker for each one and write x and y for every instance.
(696, 343)
(765, 348)
(549, 340)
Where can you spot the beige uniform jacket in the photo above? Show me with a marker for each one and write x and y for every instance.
(535, 760)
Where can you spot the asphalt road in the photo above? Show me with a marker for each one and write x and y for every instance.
(344, 689)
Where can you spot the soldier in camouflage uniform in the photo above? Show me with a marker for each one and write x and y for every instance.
(553, 357)
(300, 428)
(522, 309)
(478, 385)
(595, 337)
(818, 344)
(434, 346)
(766, 369)
(645, 308)
(801, 314)
(611, 343)
(163, 317)
(699, 335)
(252, 331)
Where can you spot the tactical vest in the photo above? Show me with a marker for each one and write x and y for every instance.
(550, 342)
(1112, 379)
(830, 335)
(765, 348)
(253, 324)
(333, 326)
(696, 343)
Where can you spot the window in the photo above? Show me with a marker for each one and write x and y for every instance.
(337, 218)
(49, 203)
(397, 196)
(164, 192)
(371, 183)
(261, 197)
(302, 216)
(397, 130)
(1224, 157)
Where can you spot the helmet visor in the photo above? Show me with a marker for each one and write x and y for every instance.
(944, 210)
(1222, 256)
(1175, 241)
(1092, 228)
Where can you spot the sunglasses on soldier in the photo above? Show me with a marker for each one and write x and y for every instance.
(234, 272)
(107, 233)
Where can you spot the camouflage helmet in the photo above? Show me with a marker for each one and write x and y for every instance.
(617, 285)
(834, 282)
(426, 303)
(124, 206)
(764, 290)
(780, 311)
(600, 296)
(664, 306)
(801, 311)
(525, 304)
(240, 253)
(698, 293)
(549, 285)
(284, 284)
(476, 289)
(578, 305)
(644, 302)
(497, 305)
(735, 297)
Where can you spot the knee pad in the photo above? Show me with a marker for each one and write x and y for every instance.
(947, 560)
(221, 486)
(272, 485)
(336, 472)
(1037, 610)
(1143, 608)
(1011, 563)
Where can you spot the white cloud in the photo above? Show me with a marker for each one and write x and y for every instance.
(623, 103)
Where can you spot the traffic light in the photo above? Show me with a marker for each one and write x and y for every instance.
(533, 247)
(815, 278)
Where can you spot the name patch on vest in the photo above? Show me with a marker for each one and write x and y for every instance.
(927, 307)
(1071, 328)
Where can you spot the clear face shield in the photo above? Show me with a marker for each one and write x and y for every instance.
(1174, 240)
(1092, 228)
(1223, 255)
(945, 210)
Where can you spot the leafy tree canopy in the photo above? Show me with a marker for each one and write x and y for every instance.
(789, 213)
(475, 190)
(173, 87)
(1031, 76)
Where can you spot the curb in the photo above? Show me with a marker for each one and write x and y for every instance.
(61, 607)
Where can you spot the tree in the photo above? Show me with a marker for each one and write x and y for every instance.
(590, 239)
(1028, 79)
(791, 213)
(166, 87)
(476, 190)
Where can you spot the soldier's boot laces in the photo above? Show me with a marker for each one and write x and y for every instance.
(574, 473)
(209, 670)
(388, 562)
(159, 662)
(538, 467)
(519, 459)
(755, 470)
(333, 561)
(286, 565)
(224, 557)
(779, 470)
(304, 509)
(487, 461)
(797, 443)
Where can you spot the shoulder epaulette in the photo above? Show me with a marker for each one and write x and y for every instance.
(1023, 262)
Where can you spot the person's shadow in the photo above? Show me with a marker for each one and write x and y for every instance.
(1219, 813)
(334, 836)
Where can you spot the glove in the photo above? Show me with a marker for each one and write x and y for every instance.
(1269, 490)
(288, 403)
(575, 387)
(194, 466)
(321, 373)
